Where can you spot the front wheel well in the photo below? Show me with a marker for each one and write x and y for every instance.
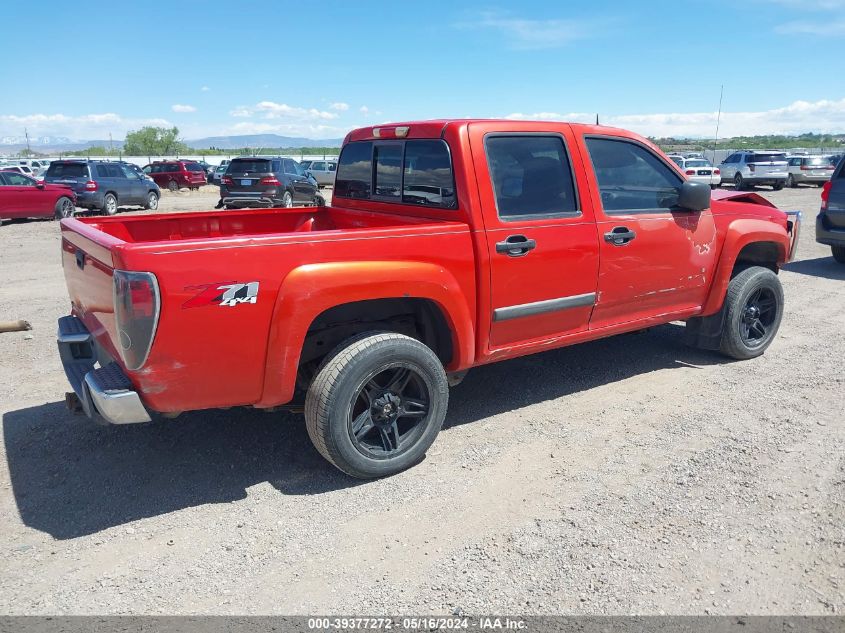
(765, 254)
(418, 318)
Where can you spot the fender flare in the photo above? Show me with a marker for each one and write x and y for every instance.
(742, 232)
(309, 290)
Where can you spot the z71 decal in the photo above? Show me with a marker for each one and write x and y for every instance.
(225, 293)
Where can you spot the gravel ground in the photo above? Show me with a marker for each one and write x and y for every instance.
(630, 475)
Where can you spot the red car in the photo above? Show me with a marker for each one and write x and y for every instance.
(448, 245)
(176, 174)
(23, 197)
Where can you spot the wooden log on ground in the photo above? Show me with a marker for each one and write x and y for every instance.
(15, 326)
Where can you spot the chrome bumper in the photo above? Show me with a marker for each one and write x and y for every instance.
(104, 392)
(794, 228)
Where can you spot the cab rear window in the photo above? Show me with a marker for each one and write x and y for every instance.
(413, 172)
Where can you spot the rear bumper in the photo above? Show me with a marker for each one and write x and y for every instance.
(825, 234)
(89, 199)
(104, 392)
(250, 201)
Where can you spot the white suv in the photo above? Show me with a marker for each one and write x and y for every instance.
(746, 169)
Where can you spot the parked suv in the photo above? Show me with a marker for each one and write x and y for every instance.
(104, 185)
(814, 170)
(747, 168)
(830, 223)
(267, 182)
(323, 171)
(175, 174)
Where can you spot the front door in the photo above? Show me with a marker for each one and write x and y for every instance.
(656, 259)
(540, 232)
(19, 194)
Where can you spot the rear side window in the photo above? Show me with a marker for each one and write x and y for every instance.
(415, 172)
(68, 170)
(632, 178)
(531, 176)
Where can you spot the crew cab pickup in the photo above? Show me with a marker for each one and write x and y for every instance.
(447, 245)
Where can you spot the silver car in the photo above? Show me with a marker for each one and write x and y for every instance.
(323, 171)
(748, 168)
(813, 170)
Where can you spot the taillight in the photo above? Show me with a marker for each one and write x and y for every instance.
(690, 172)
(226, 180)
(91, 185)
(716, 172)
(751, 167)
(136, 310)
(270, 180)
(826, 193)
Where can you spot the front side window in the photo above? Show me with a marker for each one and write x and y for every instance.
(531, 176)
(632, 178)
(290, 167)
(317, 166)
(19, 180)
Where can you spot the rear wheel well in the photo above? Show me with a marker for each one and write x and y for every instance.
(766, 254)
(421, 319)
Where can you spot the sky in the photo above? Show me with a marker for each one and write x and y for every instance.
(84, 71)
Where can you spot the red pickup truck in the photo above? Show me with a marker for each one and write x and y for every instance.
(448, 244)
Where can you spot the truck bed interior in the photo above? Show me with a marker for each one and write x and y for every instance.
(227, 224)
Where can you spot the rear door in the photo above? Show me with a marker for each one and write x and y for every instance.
(303, 189)
(540, 233)
(655, 258)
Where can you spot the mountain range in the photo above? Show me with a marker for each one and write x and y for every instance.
(47, 144)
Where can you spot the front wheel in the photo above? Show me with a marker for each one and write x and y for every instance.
(152, 201)
(64, 208)
(739, 184)
(838, 253)
(754, 309)
(377, 404)
(110, 204)
(790, 182)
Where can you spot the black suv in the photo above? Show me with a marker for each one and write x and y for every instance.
(267, 182)
(830, 223)
(104, 185)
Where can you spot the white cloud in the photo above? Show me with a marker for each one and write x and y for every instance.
(86, 126)
(826, 116)
(339, 106)
(835, 28)
(523, 34)
(364, 110)
(273, 110)
(178, 107)
(205, 89)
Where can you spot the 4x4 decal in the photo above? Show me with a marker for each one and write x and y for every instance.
(223, 293)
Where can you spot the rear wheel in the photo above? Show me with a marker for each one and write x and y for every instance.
(110, 204)
(377, 404)
(739, 184)
(152, 201)
(838, 253)
(754, 308)
(287, 200)
(64, 208)
(172, 186)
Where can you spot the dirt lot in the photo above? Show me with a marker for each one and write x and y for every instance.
(631, 475)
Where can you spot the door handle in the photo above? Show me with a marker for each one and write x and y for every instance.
(619, 236)
(515, 246)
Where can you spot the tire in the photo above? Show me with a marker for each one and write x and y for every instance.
(739, 184)
(713, 187)
(777, 186)
(319, 201)
(392, 388)
(110, 204)
(753, 312)
(287, 200)
(64, 208)
(172, 186)
(790, 182)
(152, 201)
(838, 253)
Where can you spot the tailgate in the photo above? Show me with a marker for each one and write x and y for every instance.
(88, 266)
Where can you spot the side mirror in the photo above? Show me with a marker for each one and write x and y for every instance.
(39, 185)
(694, 196)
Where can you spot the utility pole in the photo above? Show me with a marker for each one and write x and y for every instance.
(111, 145)
(26, 134)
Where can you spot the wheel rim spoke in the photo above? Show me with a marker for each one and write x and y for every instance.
(413, 408)
(362, 425)
(399, 381)
(758, 329)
